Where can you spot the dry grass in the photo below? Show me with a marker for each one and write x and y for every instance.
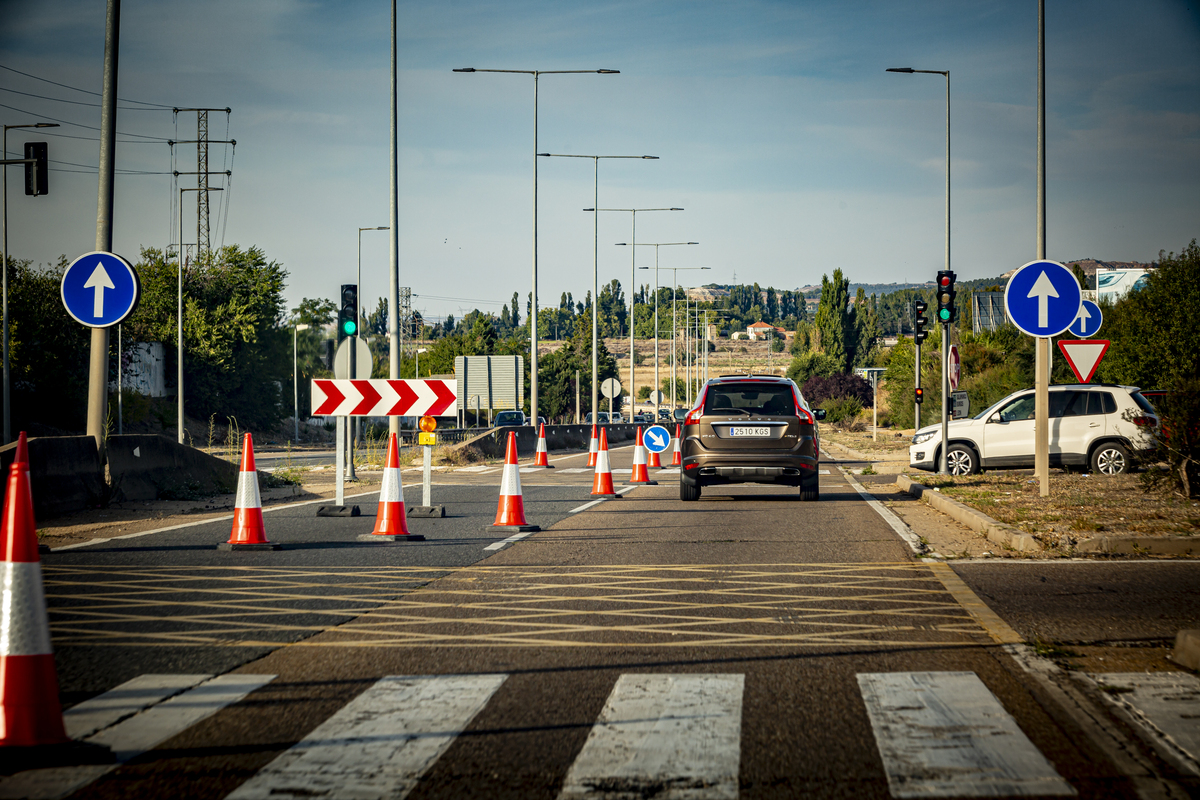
(891, 445)
(1079, 506)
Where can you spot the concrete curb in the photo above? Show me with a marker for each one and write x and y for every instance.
(1187, 649)
(1140, 546)
(854, 454)
(1003, 535)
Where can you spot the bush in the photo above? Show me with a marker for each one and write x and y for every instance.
(842, 411)
(818, 389)
(809, 364)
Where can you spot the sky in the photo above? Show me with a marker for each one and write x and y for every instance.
(777, 129)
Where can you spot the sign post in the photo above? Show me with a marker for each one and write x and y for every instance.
(610, 388)
(1043, 298)
(427, 439)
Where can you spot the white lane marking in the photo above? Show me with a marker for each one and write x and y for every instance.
(1164, 704)
(128, 699)
(622, 472)
(136, 735)
(944, 734)
(586, 506)
(666, 736)
(266, 510)
(380, 743)
(822, 472)
(626, 489)
(514, 538)
(478, 468)
(897, 524)
(668, 471)
(576, 470)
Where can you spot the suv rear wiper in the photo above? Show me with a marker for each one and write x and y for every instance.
(731, 410)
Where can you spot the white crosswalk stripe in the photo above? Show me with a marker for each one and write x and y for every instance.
(380, 743)
(149, 726)
(577, 470)
(1166, 704)
(666, 736)
(944, 734)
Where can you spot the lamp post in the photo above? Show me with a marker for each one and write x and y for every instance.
(632, 287)
(946, 327)
(4, 261)
(296, 380)
(595, 209)
(533, 337)
(657, 245)
(675, 326)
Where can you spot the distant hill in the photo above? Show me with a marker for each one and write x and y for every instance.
(1090, 265)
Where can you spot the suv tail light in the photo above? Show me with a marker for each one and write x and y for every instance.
(1148, 422)
(697, 411)
(800, 412)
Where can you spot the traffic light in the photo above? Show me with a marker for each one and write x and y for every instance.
(920, 394)
(36, 182)
(946, 312)
(348, 316)
(920, 322)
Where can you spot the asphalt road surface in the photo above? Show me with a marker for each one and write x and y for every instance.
(745, 645)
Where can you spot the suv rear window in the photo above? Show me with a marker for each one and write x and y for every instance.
(1143, 403)
(750, 398)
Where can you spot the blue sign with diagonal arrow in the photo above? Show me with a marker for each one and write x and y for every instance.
(656, 439)
(1043, 298)
(100, 289)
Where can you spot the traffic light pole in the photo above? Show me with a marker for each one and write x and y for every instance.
(943, 461)
(917, 385)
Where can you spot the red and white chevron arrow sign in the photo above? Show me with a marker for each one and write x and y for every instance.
(383, 398)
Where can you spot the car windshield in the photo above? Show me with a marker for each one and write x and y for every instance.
(750, 399)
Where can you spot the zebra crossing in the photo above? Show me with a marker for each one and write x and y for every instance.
(667, 735)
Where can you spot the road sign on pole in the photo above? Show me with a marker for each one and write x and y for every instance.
(1043, 298)
(100, 289)
(1087, 324)
(657, 439)
(1084, 355)
(610, 388)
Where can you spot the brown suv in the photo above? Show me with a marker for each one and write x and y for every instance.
(750, 429)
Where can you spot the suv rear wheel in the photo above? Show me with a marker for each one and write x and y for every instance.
(688, 492)
(1110, 458)
(810, 490)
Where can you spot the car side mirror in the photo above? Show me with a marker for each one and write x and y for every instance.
(995, 417)
(819, 414)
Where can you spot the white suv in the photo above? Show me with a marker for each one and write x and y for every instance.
(1101, 427)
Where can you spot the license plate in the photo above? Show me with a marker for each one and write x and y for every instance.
(746, 431)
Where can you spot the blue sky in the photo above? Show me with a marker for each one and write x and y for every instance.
(778, 131)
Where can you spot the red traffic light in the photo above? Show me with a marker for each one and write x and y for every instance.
(920, 394)
(945, 281)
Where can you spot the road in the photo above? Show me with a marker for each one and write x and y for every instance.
(746, 645)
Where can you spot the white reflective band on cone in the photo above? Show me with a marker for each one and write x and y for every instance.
(391, 491)
(510, 480)
(594, 446)
(602, 461)
(24, 626)
(247, 493)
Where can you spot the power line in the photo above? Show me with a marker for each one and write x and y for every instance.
(77, 125)
(75, 102)
(76, 89)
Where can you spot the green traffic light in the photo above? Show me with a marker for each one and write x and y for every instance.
(944, 314)
(348, 327)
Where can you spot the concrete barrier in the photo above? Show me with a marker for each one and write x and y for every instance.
(1187, 649)
(150, 467)
(65, 473)
(558, 438)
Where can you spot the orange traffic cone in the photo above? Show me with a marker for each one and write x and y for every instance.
(593, 448)
(391, 523)
(539, 457)
(639, 463)
(30, 713)
(677, 459)
(602, 483)
(654, 462)
(510, 511)
(248, 532)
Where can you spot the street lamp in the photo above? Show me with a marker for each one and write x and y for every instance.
(655, 246)
(595, 209)
(945, 328)
(418, 364)
(632, 286)
(674, 316)
(4, 261)
(533, 337)
(296, 380)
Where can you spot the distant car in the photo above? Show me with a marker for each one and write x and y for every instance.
(664, 415)
(541, 420)
(508, 418)
(754, 429)
(1101, 427)
(680, 414)
(645, 418)
(601, 418)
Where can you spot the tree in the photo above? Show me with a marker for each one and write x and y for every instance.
(835, 325)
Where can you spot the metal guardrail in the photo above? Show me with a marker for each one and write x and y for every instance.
(444, 435)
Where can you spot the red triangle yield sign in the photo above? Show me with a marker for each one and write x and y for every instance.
(1084, 355)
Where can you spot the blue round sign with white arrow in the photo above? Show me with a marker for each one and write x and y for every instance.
(1087, 324)
(1043, 298)
(100, 289)
(656, 438)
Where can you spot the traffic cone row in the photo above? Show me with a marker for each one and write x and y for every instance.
(248, 532)
(540, 458)
(30, 712)
(602, 481)
(391, 523)
(510, 510)
(639, 474)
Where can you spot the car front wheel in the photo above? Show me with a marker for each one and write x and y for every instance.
(961, 460)
(1110, 458)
